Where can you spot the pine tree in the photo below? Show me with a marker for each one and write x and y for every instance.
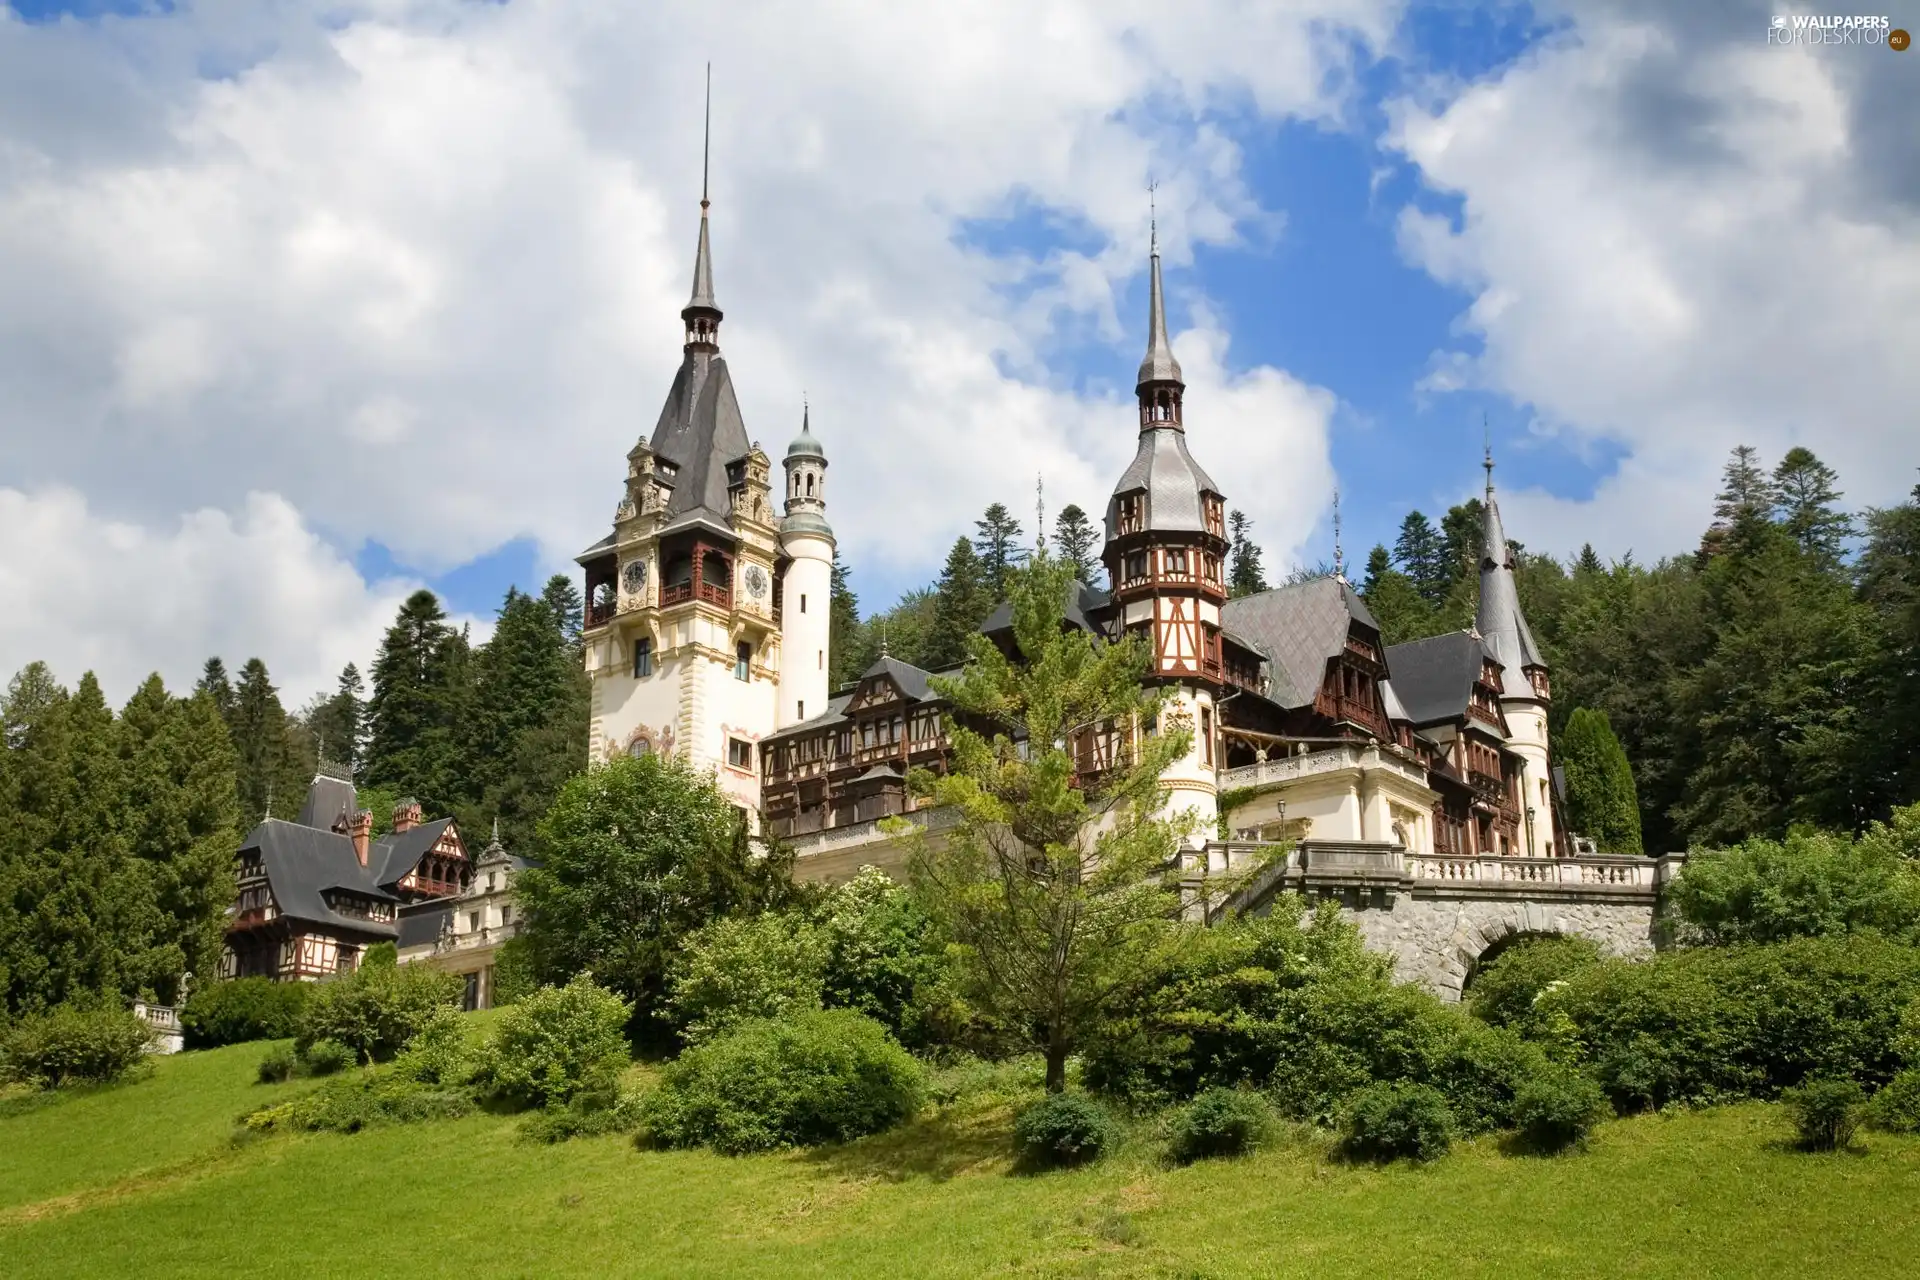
(1744, 490)
(1889, 575)
(998, 544)
(1463, 531)
(562, 597)
(1379, 564)
(961, 602)
(1077, 541)
(214, 683)
(276, 752)
(419, 697)
(1589, 561)
(847, 651)
(1244, 574)
(1601, 799)
(1397, 605)
(904, 630)
(338, 721)
(1806, 497)
(523, 726)
(1421, 555)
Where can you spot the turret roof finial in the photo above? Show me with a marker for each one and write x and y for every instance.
(1339, 556)
(1159, 365)
(702, 299)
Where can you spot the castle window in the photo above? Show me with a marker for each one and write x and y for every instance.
(1206, 734)
(800, 709)
(739, 753)
(803, 602)
(1136, 565)
(642, 659)
(743, 661)
(1177, 561)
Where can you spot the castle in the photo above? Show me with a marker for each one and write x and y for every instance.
(1395, 773)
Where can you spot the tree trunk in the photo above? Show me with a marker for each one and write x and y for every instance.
(1056, 1065)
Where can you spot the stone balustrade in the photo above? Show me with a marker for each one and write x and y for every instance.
(1265, 773)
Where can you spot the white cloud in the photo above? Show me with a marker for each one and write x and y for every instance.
(123, 600)
(416, 268)
(1679, 239)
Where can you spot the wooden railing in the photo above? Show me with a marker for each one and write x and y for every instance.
(713, 593)
(598, 615)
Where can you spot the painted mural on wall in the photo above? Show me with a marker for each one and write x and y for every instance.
(643, 741)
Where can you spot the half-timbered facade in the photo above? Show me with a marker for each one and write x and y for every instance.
(315, 893)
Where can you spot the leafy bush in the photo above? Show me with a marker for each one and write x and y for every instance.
(1507, 991)
(362, 1100)
(1390, 1120)
(825, 1076)
(441, 1052)
(885, 958)
(325, 1057)
(1707, 1024)
(1224, 1009)
(242, 1010)
(1825, 1112)
(1811, 884)
(559, 1041)
(1064, 1129)
(513, 979)
(71, 1045)
(735, 970)
(586, 1115)
(381, 955)
(1221, 1122)
(279, 1065)
(375, 1010)
(1896, 1108)
(1557, 1110)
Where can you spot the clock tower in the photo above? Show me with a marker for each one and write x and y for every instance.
(683, 615)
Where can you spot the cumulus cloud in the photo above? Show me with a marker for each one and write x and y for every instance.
(413, 268)
(121, 599)
(1677, 239)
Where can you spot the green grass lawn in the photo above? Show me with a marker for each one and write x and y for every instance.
(146, 1179)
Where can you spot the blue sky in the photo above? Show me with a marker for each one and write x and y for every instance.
(315, 300)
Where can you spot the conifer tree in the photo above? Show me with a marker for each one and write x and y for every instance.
(525, 710)
(416, 715)
(904, 630)
(1421, 555)
(1077, 541)
(563, 598)
(1744, 490)
(1463, 531)
(961, 602)
(1589, 561)
(847, 651)
(1601, 799)
(1806, 503)
(1379, 564)
(997, 541)
(275, 752)
(1245, 576)
(1399, 608)
(337, 722)
(214, 683)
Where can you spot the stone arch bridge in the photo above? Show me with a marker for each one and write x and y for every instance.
(1437, 915)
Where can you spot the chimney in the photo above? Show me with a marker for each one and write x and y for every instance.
(360, 831)
(406, 816)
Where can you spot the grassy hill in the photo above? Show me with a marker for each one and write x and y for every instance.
(147, 1179)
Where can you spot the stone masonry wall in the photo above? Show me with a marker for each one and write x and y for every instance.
(1436, 939)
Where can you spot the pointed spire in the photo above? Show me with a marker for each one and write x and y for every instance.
(1498, 618)
(702, 313)
(1339, 556)
(1159, 364)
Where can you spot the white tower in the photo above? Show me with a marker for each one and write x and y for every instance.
(1524, 689)
(806, 582)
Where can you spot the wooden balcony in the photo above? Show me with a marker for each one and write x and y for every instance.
(714, 593)
(599, 615)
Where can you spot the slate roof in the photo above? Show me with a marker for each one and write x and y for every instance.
(911, 680)
(329, 801)
(1298, 628)
(1434, 677)
(422, 928)
(700, 432)
(1498, 617)
(1082, 609)
(1158, 365)
(1173, 481)
(391, 857)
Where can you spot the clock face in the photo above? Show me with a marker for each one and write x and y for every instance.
(756, 579)
(634, 577)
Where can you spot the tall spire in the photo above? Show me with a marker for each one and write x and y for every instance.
(1159, 384)
(1339, 555)
(1498, 617)
(702, 313)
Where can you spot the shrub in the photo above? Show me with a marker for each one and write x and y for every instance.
(381, 955)
(513, 979)
(241, 1010)
(1707, 1024)
(1506, 993)
(325, 1057)
(441, 1052)
(825, 1076)
(375, 1010)
(1064, 1129)
(1896, 1108)
(885, 958)
(1387, 1121)
(1221, 1122)
(587, 1115)
(559, 1041)
(1825, 1112)
(279, 1065)
(736, 970)
(362, 1100)
(69, 1045)
(1557, 1110)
